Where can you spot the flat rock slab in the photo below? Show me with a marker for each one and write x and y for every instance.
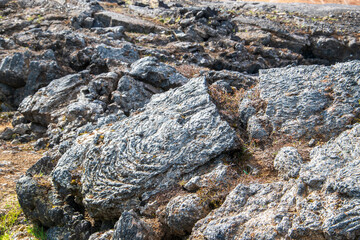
(121, 166)
(131, 24)
(309, 101)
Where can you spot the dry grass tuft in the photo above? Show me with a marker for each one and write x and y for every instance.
(188, 70)
(227, 103)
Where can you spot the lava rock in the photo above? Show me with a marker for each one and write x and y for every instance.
(183, 212)
(288, 162)
(158, 74)
(170, 127)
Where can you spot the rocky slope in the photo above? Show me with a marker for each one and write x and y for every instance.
(176, 120)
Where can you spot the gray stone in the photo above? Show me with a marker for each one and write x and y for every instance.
(12, 70)
(158, 74)
(18, 118)
(177, 132)
(182, 212)
(288, 162)
(323, 201)
(7, 134)
(328, 48)
(41, 107)
(224, 86)
(246, 110)
(257, 127)
(130, 226)
(126, 53)
(27, 73)
(102, 235)
(132, 94)
(193, 184)
(308, 101)
(131, 24)
(22, 128)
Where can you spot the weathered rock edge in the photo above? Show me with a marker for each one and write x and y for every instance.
(323, 203)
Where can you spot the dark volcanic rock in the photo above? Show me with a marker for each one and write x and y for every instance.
(40, 107)
(158, 74)
(131, 24)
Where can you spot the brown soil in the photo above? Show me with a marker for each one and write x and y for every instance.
(14, 161)
(347, 2)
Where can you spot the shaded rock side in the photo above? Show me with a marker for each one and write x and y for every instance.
(123, 165)
(323, 203)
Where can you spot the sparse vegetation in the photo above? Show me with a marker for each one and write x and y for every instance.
(37, 232)
(228, 103)
(9, 219)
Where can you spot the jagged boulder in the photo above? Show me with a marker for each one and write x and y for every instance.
(130, 226)
(120, 166)
(323, 203)
(132, 94)
(158, 74)
(41, 107)
(26, 72)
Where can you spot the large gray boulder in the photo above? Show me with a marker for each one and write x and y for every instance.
(119, 166)
(323, 203)
(306, 101)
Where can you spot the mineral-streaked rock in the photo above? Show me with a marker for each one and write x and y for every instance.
(121, 165)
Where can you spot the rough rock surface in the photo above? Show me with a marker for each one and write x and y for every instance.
(111, 19)
(40, 107)
(130, 226)
(156, 73)
(136, 150)
(306, 101)
(177, 132)
(322, 204)
(288, 162)
(183, 212)
(145, 142)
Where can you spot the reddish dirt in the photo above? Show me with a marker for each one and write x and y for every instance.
(14, 161)
(347, 2)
